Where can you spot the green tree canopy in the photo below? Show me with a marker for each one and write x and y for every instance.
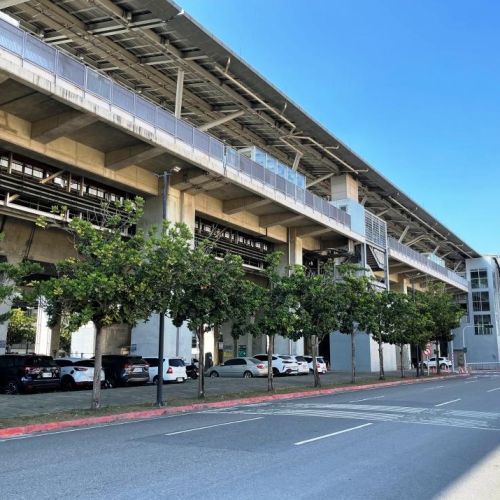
(21, 328)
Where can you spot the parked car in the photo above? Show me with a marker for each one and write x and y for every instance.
(125, 370)
(282, 364)
(320, 363)
(174, 370)
(303, 364)
(77, 372)
(443, 363)
(27, 372)
(239, 367)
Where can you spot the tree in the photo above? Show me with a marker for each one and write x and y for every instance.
(105, 283)
(207, 295)
(21, 328)
(388, 310)
(318, 309)
(445, 314)
(278, 313)
(355, 309)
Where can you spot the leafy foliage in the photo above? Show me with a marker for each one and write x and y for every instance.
(21, 328)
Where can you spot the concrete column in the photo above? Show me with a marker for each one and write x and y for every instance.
(292, 255)
(144, 337)
(400, 286)
(344, 187)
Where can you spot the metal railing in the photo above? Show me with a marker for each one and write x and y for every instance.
(89, 81)
(484, 367)
(415, 256)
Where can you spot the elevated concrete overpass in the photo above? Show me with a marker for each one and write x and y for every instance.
(97, 101)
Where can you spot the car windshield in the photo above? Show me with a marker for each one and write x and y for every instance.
(255, 361)
(152, 361)
(300, 358)
(40, 361)
(135, 360)
(320, 360)
(285, 357)
(86, 362)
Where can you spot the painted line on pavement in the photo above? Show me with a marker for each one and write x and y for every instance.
(332, 434)
(432, 388)
(366, 399)
(210, 426)
(471, 381)
(491, 390)
(448, 402)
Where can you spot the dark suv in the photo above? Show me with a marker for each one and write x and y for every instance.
(124, 370)
(27, 372)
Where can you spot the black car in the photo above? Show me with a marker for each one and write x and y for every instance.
(125, 370)
(27, 372)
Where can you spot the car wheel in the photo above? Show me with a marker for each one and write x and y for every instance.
(214, 374)
(155, 380)
(112, 382)
(276, 372)
(11, 387)
(68, 384)
(248, 374)
(194, 376)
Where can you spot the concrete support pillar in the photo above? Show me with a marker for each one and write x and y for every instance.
(292, 255)
(400, 286)
(144, 337)
(344, 187)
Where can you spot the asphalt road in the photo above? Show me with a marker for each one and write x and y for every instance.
(439, 440)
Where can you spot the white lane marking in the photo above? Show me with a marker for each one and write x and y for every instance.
(471, 381)
(332, 434)
(366, 399)
(210, 426)
(491, 390)
(448, 402)
(432, 388)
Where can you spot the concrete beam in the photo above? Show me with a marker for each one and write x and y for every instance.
(52, 128)
(10, 3)
(220, 121)
(189, 179)
(24, 101)
(123, 158)
(281, 219)
(238, 205)
(311, 231)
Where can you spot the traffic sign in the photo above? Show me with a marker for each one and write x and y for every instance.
(427, 352)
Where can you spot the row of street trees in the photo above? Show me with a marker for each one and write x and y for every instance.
(117, 279)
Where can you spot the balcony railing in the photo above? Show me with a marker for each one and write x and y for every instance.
(60, 65)
(415, 256)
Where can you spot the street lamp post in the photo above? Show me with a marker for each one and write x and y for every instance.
(161, 333)
(464, 349)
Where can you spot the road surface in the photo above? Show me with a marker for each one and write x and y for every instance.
(438, 440)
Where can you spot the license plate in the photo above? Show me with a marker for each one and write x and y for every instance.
(46, 375)
(137, 370)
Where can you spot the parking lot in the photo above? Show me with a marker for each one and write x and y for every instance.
(53, 402)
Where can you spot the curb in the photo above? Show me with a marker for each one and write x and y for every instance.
(31, 429)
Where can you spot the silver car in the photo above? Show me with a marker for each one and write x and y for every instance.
(239, 367)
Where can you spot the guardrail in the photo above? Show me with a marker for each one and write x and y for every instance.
(413, 255)
(484, 367)
(87, 80)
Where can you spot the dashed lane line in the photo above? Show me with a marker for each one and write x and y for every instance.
(448, 402)
(492, 390)
(332, 434)
(211, 426)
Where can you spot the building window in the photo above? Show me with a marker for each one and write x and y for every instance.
(480, 301)
(479, 278)
(482, 324)
(194, 340)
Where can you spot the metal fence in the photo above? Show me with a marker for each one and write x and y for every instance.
(31, 49)
(484, 367)
(413, 255)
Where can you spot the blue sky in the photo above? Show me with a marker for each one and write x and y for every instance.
(412, 86)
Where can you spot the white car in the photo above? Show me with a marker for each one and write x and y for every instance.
(282, 364)
(443, 363)
(174, 370)
(303, 364)
(77, 372)
(320, 363)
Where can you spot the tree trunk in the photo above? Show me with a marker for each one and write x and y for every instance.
(401, 360)
(317, 382)
(96, 387)
(201, 362)
(381, 360)
(353, 357)
(438, 368)
(270, 374)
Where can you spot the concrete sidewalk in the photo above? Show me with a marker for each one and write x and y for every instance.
(54, 402)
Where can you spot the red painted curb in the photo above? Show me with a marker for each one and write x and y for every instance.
(30, 429)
